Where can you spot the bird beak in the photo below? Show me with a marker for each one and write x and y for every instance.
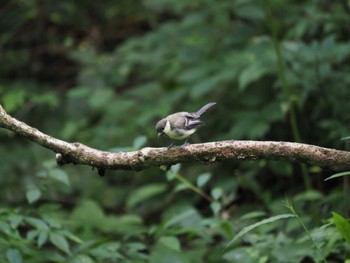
(159, 134)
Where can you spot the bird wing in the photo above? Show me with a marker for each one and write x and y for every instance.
(193, 123)
(187, 121)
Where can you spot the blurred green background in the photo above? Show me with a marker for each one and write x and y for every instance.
(103, 73)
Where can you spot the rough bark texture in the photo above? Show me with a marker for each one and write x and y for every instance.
(211, 152)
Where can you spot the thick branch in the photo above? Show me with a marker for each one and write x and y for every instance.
(205, 152)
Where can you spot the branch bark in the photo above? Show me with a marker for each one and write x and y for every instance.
(211, 152)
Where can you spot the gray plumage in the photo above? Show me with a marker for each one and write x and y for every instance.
(205, 108)
(181, 125)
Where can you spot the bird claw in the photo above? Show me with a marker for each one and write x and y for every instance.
(185, 144)
(181, 146)
(171, 145)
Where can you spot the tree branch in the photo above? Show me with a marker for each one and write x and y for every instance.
(211, 152)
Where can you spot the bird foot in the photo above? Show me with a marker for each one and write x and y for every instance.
(185, 143)
(181, 146)
(171, 145)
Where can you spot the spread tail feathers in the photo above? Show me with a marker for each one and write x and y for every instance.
(205, 108)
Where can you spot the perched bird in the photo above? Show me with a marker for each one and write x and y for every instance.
(181, 125)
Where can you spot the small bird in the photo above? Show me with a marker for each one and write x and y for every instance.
(181, 125)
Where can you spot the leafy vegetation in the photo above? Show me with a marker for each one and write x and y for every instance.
(103, 73)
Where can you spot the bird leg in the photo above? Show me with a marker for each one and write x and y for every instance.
(181, 146)
(184, 144)
(170, 145)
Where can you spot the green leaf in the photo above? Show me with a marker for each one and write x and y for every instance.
(5, 228)
(192, 75)
(71, 236)
(33, 194)
(163, 253)
(172, 173)
(215, 207)
(203, 179)
(13, 99)
(127, 224)
(109, 250)
(139, 142)
(253, 12)
(204, 86)
(252, 73)
(180, 187)
(226, 226)
(60, 242)
(15, 220)
(143, 193)
(135, 247)
(337, 175)
(310, 195)
(171, 242)
(83, 259)
(37, 223)
(188, 216)
(253, 214)
(216, 193)
(42, 238)
(14, 256)
(48, 98)
(59, 175)
(100, 98)
(52, 221)
(260, 223)
(32, 234)
(79, 92)
(88, 214)
(342, 225)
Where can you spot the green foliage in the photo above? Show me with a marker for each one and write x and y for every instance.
(342, 225)
(103, 74)
(262, 222)
(22, 236)
(337, 175)
(313, 238)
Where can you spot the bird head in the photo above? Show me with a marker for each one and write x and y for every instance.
(160, 127)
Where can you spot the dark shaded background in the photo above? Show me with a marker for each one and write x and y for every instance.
(103, 73)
